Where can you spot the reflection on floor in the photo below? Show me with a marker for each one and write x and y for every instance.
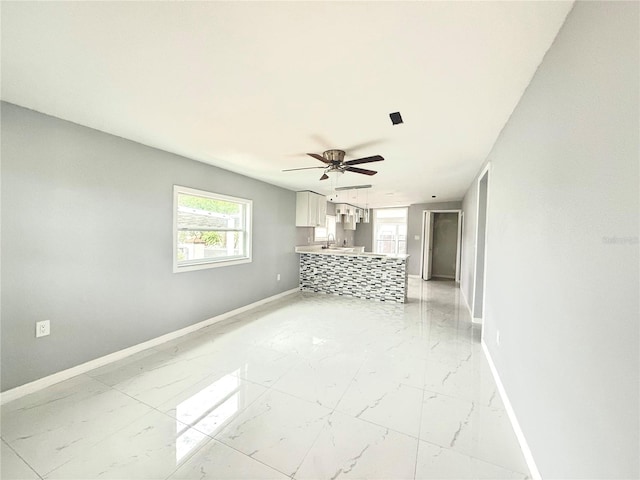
(310, 386)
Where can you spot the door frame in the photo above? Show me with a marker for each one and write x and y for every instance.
(425, 235)
(486, 172)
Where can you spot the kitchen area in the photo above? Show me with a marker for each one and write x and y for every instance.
(331, 263)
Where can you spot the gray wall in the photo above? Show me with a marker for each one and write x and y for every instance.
(87, 243)
(414, 230)
(562, 249)
(364, 234)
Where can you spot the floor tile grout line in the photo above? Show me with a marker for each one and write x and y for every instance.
(221, 440)
(20, 457)
(415, 468)
(270, 387)
(327, 421)
(444, 447)
(224, 424)
(213, 439)
(216, 440)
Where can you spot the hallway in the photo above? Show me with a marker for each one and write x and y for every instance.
(310, 386)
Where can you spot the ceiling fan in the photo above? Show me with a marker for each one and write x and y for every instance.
(334, 162)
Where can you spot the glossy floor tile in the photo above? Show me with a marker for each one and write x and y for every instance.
(307, 387)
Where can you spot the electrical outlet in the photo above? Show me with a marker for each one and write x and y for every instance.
(43, 328)
(278, 277)
(498, 338)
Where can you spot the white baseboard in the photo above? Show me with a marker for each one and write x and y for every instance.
(524, 446)
(466, 302)
(414, 276)
(57, 377)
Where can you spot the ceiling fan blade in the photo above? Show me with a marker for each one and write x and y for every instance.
(324, 176)
(319, 157)
(362, 145)
(361, 170)
(320, 140)
(375, 158)
(303, 168)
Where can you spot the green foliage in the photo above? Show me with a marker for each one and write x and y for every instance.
(212, 238)
(208, 204)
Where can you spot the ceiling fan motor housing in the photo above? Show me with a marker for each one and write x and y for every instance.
(334, 155)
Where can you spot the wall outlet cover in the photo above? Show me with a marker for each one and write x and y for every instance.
(43, 328)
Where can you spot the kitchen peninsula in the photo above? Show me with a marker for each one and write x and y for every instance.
(352, 272)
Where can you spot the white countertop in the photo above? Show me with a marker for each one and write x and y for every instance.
(346, 251)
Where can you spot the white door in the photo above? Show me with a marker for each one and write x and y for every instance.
(428, 246)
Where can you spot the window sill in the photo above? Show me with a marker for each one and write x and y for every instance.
(206, 265)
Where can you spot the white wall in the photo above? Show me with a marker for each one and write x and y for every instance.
(562, 249)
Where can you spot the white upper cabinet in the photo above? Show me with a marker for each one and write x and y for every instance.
(348, 215)
(311, 209)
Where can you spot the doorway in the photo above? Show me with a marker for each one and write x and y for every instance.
(441, 237)
(481, 247)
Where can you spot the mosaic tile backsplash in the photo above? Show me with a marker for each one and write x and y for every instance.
(373, 278)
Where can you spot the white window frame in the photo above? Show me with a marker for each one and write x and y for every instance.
(212, 262)
(331, 219)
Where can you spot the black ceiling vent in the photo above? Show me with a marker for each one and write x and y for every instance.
(396, 118)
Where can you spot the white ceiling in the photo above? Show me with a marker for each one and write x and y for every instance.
(252, 86)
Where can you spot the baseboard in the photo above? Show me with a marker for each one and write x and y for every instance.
(414, 276)
(466, 302)
(524, 446)
(57, 377)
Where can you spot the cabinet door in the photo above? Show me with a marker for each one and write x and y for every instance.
(322, 210)
(302, 209)
(313, 209)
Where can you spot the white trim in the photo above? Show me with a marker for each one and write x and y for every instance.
(458, 241)
(524, 446)
(422, 245)
(466, 302)
(210, 264)
(485, 171)
(414, 276)
(486, 241)
(57, 377)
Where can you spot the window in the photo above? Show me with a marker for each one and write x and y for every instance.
(210, 230)
(390, 230)
(321, 234)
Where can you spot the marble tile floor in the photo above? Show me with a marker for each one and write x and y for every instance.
(310, 386)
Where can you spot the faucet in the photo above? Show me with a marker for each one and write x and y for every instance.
(329, 239)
